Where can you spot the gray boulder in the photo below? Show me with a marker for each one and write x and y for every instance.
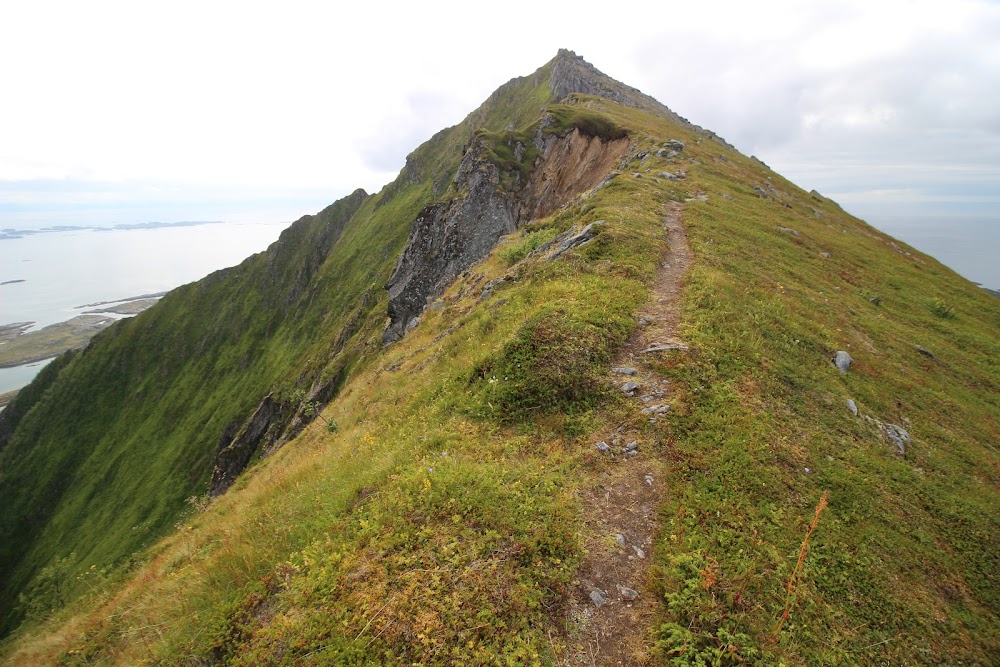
(578, 239)
(842, 361)
(598, 597)
(629, 387)
(852, 406)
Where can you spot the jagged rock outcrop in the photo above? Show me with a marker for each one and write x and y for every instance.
(236, 449)
(450, 236)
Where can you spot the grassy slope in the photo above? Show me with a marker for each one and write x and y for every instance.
(441, 524)
(102, 462)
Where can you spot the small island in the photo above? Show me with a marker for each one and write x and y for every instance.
(50, 341)
(127, 308)
(18, 346)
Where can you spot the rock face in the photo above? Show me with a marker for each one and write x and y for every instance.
(450, 236)
(447, 238)
(272, 424)
(236, 449)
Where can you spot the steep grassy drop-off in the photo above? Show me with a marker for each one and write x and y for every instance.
(444, 521)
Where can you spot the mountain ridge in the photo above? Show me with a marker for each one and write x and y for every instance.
(437, 512)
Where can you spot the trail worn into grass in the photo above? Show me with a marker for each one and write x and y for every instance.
(614, 605)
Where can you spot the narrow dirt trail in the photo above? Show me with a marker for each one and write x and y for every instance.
(613, 607)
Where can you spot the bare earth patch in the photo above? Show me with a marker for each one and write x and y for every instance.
(612, 610)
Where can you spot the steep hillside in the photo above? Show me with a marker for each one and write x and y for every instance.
(172, 405)
(487, 489)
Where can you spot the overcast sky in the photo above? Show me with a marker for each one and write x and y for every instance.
(208, 110)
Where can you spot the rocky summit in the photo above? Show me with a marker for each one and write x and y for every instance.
(583, 385)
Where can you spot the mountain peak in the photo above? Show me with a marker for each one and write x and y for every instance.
(570, 73)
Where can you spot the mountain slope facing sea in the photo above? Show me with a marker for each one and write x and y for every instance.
(562, 393)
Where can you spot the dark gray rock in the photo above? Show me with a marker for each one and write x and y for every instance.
(761, 192)
(842, 361)
(852, 407)
(631, 447)
(629, 387)
(598, 597)
(924, 351)
(673, 145)
(607, 179)
(668, 176)
(573, 240)
(449, 237)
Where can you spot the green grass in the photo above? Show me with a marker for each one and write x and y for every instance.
(442, 522)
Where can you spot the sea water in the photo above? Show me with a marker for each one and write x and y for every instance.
(968, 245)
(60, 271)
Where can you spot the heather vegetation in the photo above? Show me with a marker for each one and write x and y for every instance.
(442, 520)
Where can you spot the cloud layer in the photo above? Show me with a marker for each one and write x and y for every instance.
(893, 101)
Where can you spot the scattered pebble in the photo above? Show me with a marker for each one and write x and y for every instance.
(649, 480)
(638, 551)
(624, 371)
(629, 387)
(603, 447)
(852, 406)
(631, 447)
(620, 539)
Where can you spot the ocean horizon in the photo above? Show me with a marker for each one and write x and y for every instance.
(50, 273)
